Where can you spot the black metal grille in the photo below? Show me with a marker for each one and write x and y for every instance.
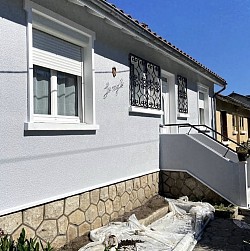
(182, 94)
(145, 87)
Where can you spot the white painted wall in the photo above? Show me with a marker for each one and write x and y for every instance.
(219, 148)
(46, 166)
(185, 153)
(43, 166)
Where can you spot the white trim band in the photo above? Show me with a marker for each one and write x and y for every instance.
(36, 126)
(145, 110)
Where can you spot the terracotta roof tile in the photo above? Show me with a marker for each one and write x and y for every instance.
(145, 27)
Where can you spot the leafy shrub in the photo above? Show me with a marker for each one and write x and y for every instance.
(22, 243)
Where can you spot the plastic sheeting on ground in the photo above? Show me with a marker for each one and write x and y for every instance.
(178, 230)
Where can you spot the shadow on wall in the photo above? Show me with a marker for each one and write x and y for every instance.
(58, 133)
(72, 152)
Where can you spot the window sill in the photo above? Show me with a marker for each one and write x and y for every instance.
(243, 132)
(235, 132)
(226, 143)
(145, 110)
(33, 126)
(203, 129)
(183, 115)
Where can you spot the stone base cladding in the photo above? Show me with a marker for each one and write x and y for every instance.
(176, 184)
(61, 221)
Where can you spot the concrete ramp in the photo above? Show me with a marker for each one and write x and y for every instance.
(182, 152)
(216, 146)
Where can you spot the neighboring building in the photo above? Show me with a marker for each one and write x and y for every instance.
(244, 100)
(84, 88)
(232, 119)
(241, 98)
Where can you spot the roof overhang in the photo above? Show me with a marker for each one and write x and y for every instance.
(232, 101)
(115, 17)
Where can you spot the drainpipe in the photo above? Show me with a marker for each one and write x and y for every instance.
(214, 104)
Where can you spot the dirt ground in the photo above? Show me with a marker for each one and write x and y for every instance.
(221, 234)
(142, 212)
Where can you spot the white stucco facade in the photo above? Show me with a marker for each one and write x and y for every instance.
(39, 166)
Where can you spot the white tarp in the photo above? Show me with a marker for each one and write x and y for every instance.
(178, 230)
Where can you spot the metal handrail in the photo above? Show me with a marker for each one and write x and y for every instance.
(207, 135)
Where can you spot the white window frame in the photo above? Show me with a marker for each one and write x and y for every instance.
(49, 22)
(241, 121)
(205, 105)
(141, 109)
(242, 126)
(234, 124)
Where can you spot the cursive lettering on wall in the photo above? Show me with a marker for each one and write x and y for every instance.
(112, 89)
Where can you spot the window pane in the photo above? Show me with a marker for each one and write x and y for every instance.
(41, 86)
(202, 116)
(201, 96)
(145, 87)
(182, 94)
(67, 102)
(234, 121)
(241, 122)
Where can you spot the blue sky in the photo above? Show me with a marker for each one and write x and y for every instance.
(214, 32)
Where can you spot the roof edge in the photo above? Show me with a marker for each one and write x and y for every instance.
(143, 30)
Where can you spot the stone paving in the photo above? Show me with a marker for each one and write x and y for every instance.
(224, 235)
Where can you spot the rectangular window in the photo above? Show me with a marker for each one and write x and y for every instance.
(63, 84)
(145, 86)
(201, 105)
(182, 94)
(60, 60)
(201, 116)
(234, 122)
(57, 70)
(224, 130)
(241, 123)
(67, 95)
(201, 96)
(41, 87)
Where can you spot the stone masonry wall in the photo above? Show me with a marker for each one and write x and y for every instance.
(61, 221)
(176, 184)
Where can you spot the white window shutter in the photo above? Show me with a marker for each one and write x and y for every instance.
(57, 54)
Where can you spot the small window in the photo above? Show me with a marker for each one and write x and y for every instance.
(67, 94)
(224, 129)
(201, 116)
(47, 82)
(201, 96)
(201, 104)
(145, 87)
(203, 107)
(241, 123)
(182, 94)
(234, 123)
(41, 90)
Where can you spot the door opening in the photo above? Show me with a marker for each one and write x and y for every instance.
(224, 125)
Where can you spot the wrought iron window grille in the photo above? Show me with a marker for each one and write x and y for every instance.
(145, 84)
(182, 94)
